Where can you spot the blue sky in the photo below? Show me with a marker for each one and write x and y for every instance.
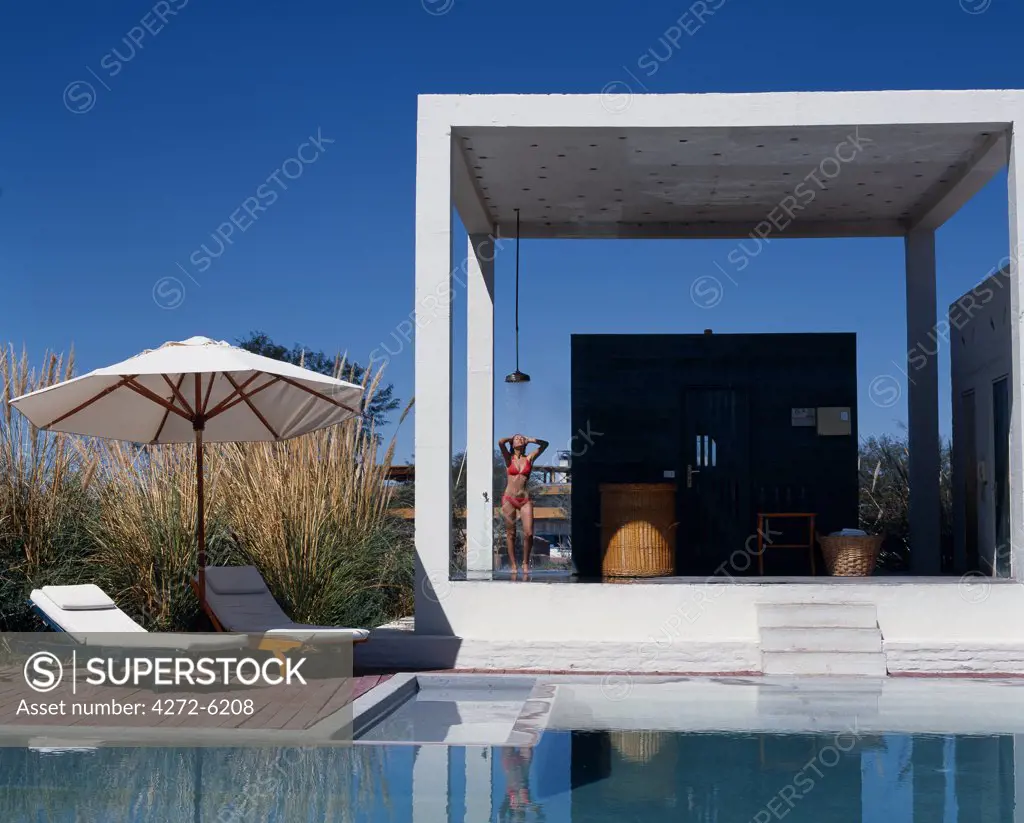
(108, 193)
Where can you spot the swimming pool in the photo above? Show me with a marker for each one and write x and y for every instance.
(823, 751)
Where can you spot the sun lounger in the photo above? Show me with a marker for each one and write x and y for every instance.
(89, 616)
(238, 600)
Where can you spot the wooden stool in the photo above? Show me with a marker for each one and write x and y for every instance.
(762, 529)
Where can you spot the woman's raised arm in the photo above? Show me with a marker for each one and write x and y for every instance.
(506, 452)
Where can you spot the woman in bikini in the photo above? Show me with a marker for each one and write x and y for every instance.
(517, 497)
(517, 801)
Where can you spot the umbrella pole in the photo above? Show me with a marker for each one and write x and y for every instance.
(200, 517)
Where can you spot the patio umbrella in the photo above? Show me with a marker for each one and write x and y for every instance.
(197, 389)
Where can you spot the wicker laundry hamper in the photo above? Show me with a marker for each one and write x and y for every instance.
(637, 746)
(638, 529)
(850, 555)
(644, 767)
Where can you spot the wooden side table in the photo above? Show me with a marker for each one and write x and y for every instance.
(763, 519)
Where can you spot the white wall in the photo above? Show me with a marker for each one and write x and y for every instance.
(941, 625)
(979, 329)
(638, 612)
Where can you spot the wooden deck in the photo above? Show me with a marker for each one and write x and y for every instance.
(317, 713)
(366, 682)
(549, 488)
(539, 513)
(407, 473)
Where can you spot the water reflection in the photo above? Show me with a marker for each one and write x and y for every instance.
(569, 776)
(658, 776)
(147, 785)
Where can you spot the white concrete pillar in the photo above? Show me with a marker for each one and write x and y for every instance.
(957, 468)
(480, 404)
(433, 410)
(430, 785)
(887, 781)
(1016, 208)
(478, 784)
(1018, 778)
(950, 808)
(923, 402)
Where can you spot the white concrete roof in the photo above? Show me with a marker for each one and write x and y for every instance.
(814, 164)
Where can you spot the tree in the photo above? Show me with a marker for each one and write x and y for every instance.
(383, 400)
(884, 466)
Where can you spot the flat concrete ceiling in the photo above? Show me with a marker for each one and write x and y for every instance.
(881, 180)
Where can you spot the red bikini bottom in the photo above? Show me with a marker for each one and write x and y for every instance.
(517, 502)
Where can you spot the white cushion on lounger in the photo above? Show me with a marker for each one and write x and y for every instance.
(79, 598)
(230, 596)
(97, 625)
(81, 621)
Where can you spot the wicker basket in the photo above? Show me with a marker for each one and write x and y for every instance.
(638, 529)
(644, 765)
(637, 746)
(850, 555)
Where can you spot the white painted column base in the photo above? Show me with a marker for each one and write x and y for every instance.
(480, 404)
(430, 785)
(1016, 209)
(433, 408)
(478, 784)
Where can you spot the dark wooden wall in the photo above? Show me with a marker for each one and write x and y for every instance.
(627, 398)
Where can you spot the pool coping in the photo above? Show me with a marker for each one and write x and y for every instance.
(373, 707)
(778, 704)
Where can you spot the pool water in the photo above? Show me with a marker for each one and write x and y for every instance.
(579, 776)
(454, 716)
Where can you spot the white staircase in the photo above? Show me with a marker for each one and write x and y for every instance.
(820, 639)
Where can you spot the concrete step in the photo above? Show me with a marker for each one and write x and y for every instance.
(817, 615)
(820, 640)
(866, 664)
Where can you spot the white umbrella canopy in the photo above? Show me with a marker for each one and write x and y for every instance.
(159, 396)
(197, 389)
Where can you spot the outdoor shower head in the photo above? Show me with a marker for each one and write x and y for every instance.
(517, 377)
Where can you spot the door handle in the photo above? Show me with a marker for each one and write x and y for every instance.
(690, 472)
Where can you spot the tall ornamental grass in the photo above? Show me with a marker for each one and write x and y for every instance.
(144, 534)
(45, 501)
(311, 513)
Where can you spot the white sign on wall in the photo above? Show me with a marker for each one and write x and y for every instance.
(804, 417)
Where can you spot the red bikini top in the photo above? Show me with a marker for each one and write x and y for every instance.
(523, 470)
